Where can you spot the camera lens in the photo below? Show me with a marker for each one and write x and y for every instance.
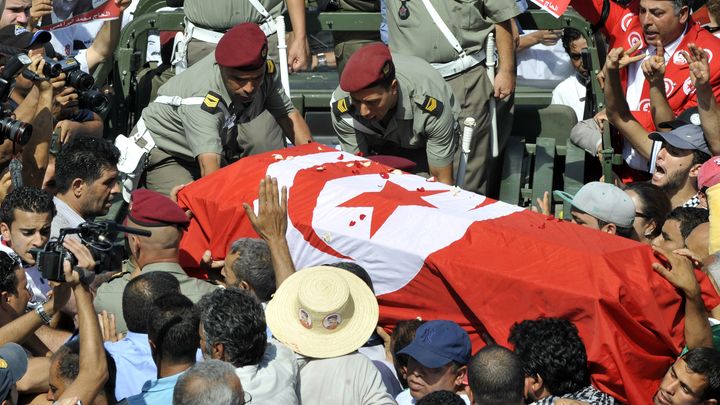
(93, 100)
(16, 131)
(80, 80)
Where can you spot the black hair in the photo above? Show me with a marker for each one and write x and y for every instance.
(68, 357)
(495, 376)
(84, 157)
(357, 270)
(569, 36)
(173, 327)
(8, 280)
(236, 319)
(28, 199)
(552, 349)
(689, 218)
(139, 295)
(656, 203)
(624, 231)
(441, 398)
(706, 361)
(699, 157)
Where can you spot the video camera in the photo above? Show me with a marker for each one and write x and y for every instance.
(89, 97)
(94, 235)
(14, 130)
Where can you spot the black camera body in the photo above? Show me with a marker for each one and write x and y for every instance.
(97, 236)
(76, 78)
(50, 261)
(14, 130)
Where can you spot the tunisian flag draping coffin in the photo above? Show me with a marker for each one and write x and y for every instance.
(441, 253)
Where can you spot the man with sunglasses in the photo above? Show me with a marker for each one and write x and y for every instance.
(573, 90)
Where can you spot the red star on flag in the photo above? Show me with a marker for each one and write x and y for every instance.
(386, 201)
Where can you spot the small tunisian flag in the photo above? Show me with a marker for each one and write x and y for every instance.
(554, 7)
(441, 253)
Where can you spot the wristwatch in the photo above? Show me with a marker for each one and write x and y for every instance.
(322, 60)
(43, 315)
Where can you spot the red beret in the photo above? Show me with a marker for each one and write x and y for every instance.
(150, 208)
(244, 47)
(365, 67)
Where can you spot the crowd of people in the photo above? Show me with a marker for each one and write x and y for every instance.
(87, 318)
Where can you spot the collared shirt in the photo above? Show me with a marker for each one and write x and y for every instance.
(134, 362)
(571, 92)
(274, 379)
(156, 392)
(66, 217)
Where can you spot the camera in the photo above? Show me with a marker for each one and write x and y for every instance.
(95, 235)
(14, 130)
(93, 100)
(76, 78)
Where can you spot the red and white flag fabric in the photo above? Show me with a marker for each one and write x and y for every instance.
(554, 7)
(438, 252)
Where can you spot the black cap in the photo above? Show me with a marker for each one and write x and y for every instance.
(19, 37)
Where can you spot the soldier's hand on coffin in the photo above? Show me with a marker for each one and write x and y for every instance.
(678, 271)
(271, 220)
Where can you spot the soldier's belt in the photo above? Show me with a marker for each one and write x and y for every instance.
(213, 37)
(460, 64)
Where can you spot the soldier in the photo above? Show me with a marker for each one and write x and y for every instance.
(159, 252)
(397, 105)
(451, 35)
(188, 129)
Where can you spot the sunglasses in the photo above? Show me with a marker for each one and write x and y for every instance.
(575, 56)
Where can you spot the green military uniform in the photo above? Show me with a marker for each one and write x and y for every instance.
(221, 15)
(347, 42)
(412, 31)
(183, 132)
(425, 118)
(109, 295)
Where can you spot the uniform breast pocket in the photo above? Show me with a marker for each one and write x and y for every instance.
(467, 13)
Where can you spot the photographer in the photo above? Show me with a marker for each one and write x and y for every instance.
(20, 329)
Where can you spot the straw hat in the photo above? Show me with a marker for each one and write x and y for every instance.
(323, 312)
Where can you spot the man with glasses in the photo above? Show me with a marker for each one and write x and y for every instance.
(572, 91)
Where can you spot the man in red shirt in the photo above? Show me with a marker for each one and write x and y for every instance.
(649, 23)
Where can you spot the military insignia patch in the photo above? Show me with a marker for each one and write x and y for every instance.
(341, 106)
(403, 11)
(263, 53)
(386, 68)
(270, 67)
(432, 106)
(210, 103)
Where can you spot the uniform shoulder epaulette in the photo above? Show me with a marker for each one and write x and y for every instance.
(118, 275)
(211, 103)
(270, 67)
(432, 106)
(341, 106)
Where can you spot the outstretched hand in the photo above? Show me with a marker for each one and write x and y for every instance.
(699, 64)
(618, 58)
(271, 220)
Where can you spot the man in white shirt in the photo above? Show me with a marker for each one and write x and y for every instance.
(573, 90)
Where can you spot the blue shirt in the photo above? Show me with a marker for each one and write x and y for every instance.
(156, 392)
(134, 363)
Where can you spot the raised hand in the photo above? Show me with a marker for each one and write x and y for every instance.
(619, 58)
(680, 272)
(654, 66)
(699, 64)
(271, 219)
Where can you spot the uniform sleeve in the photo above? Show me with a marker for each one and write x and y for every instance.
(501, 10)
(202, 129)
(442, 138)
(277, 102)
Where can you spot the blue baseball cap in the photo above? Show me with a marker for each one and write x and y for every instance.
(13, 365)
(437, 343)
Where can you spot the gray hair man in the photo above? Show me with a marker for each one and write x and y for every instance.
(209, 382)
(248, 265)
